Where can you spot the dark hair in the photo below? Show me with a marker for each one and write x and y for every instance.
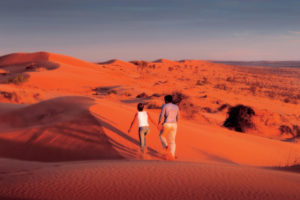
(140, 107)
(168, 99)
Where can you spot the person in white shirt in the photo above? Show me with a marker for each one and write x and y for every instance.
(144, 127)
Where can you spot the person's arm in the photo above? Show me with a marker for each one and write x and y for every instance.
(134, 119)
(150, 118)
(162, 114)
(177, 117)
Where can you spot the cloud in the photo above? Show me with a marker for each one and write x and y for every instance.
(294, 32)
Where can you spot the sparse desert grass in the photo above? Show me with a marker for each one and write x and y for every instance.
(142, 95)
(11, 96)
(221, 86)
(16, 79)
(270, 83)
(231, 79)
(156, 95)
(284, 129)
(223, 107)
(128, 94)
(202, 81)
(161, 82)
(208, 110)
(185, 104)
(294, 130)
(142, 65)
(153, 105)
(106, 90)
(253, 89)
(178, 97)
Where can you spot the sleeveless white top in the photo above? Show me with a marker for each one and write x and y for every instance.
(143, 119)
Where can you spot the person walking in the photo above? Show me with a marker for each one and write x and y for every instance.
(168, 120)
(144, 127)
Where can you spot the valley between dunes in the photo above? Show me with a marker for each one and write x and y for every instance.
(64, 122)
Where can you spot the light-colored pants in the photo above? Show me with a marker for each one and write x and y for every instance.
(169, 131)
(143, 131)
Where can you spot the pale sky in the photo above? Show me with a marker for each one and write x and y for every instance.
(99, 30)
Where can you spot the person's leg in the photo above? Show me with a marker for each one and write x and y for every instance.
(142, 138)
(172, 136)
(147, 131)
(163, 139)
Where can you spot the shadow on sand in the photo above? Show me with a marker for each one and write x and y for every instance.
(129, 151)
(14, 198)
(78, 139)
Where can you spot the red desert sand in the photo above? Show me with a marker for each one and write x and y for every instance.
(64, 122)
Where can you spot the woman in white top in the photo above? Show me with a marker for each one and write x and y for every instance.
(144, 127)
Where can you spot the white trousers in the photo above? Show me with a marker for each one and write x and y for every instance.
(169, 131)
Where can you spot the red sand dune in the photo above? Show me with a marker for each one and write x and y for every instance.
(16, 58)
(59, 129)
(59, 117)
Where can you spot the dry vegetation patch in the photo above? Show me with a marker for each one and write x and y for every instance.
(15, 79)
(240, 118)
(187, 107)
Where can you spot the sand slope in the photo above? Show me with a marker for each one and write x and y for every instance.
(195, 142)
(149, 180)
(55, 130)
(66, 136)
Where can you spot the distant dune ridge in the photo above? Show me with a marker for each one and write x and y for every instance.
(263, 63)
(64, 122)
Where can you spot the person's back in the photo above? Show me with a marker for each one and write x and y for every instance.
(142, 118)
(170, 113)
(144, 127)
(169, 117)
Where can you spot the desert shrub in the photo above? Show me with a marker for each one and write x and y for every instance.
(106, 90)
(152, 66)
(202, 81)
(127, 94)
(112, 92)
(156, 95)
(296, 130)
(153, 105)
(221, 86)
(284, 129)
(170, 69)
(140, 63)
(31, 67)
(178, 97)
(185, 104)
(188, 109)
(286, 100)
(17, 79)
(223, 106)
(253, 89)
(12, 96)
(240, 118)
(208, 110)
(142, 95)
(160, 82)
(270, 93)
(230, 79)
(203, 96)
